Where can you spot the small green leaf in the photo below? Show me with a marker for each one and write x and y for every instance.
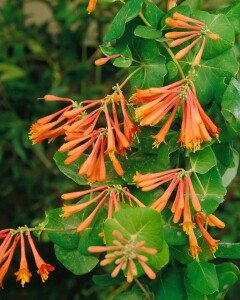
(75, 262)
(10, 72)
(202, 161)
(227, 274)
(228, 250)
(172, 70)
(129, 11)
(152, 13)
(203, 277)
(231, 105)
(147, 32)
(192, 293)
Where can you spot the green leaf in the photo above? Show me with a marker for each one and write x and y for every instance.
(75, 262)
(228, 250)
(169, 285)
(142, 163)
(211, 190)
(172, 70)
(67, 240)
(181, 254)
(152, 13)
(129, 11)
(144, 141)
(193, 4)
(231, 105)
(227, 274)
(192, 293)
(147, 32)
(131, 295)
(141, 224)
(220, 25)
(71, 171)
(231, 173)
(165, 150)
(10, 72)
(232, 12)
(147, 198)
(210, 72)
(124, 61)
(151, 63)
(107, 279)
(173, 233)
(202, 161)
(203, 277)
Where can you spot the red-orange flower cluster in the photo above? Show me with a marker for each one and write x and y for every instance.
(125, 254)
(196, 125)
(198, 30)
(181, 180)
(113, 195)
(7, 249)
(81, 133)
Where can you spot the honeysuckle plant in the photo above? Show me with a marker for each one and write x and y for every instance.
(151, 160)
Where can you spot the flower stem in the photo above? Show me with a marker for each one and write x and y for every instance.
(174, 59)
(118, 291)
(143, 289)
(127, 79)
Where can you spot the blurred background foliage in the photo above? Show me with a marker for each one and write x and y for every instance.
(48, 47)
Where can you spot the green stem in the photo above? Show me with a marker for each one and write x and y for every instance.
(127, 79)
(142, 289)
(145, 21)
(174, 59)
(118, 291)
(165, 46)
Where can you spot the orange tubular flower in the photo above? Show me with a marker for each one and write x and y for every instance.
(125, 254)
(23, 273)
(194, 248)
(196, 125)
(179, 178)
(6, 253)
(198, 30)
(104, 60)
(43, 268)
(52, 126)
(91, 6)
(82, 134)
(113, 195)
(201, 219)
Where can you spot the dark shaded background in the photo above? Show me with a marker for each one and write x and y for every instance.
(48, 47)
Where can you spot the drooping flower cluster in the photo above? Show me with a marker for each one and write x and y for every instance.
(81, 130)
(179, 179)
(199, 31)
(113, 195)
(181, 208)
(7, 250)
(196, 125)
(126, 254)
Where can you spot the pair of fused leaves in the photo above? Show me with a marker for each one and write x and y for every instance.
(144, 224)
